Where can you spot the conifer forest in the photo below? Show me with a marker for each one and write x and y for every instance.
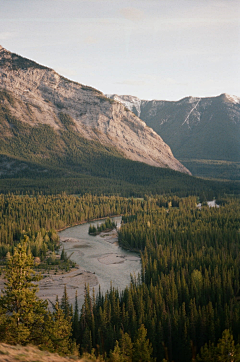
(183, 307)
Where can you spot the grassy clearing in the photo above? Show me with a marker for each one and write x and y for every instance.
(31, 354)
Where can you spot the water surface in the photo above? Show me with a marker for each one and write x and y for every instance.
(105, 258)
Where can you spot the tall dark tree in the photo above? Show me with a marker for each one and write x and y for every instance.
(75, 320)
(65, 304)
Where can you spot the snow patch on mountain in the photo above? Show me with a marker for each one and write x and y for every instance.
(130, 102)
(233, 99)
(189, 114)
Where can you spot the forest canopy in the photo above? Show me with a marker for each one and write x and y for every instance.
(183, 307)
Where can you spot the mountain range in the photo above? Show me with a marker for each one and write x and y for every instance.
(58, 135)
(203, 133)
(39, 97)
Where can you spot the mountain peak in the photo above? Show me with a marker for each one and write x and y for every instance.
(229, 98)
(41, 96)
(3, 51)
(12, 61)
(130, 102)
(199, 129)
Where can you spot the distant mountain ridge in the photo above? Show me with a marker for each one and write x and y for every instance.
(36, 96)
(195, 128)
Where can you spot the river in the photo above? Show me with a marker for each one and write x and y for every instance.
(100, 255)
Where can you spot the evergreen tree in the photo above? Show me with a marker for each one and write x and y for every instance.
(22, 312)
(225, 351)
(65, 305)
(58, 331)
(142, 349)
(123, 349)
(226, 348)
(75, 322)
(126, 347)
(116, 355)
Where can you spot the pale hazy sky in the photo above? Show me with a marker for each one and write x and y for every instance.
(153, 49)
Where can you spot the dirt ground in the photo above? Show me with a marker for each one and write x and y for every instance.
(31, 354)
(52, 284)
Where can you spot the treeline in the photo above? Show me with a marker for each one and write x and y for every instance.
(183, 307)
(51, 181)
(35, 219)
(188, 291)
(108, 224)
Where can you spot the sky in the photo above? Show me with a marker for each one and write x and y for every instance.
(152, 49)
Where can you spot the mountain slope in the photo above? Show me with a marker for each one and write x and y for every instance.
(195, 128)
(37, 102)
(57, 135)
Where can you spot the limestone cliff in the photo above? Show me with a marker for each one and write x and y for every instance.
(40, 94)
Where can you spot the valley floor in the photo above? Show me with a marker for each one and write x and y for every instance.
(53, 283)
(213, 169)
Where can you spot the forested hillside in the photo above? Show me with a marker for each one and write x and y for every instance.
(183, 307)
(27, 230)
(188, 292)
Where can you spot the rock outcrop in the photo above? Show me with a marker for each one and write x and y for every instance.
(41, 95)
(195, 128)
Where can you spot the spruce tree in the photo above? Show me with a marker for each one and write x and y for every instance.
(126, 347)
(65, 305)
(58, 331)
(142, 348)
(75, 322)
(22, 312)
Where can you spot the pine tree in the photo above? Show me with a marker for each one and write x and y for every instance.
(65, 305)
(126, 347)
(116, 355)
(22, 312)
(63, 255)
(225, 348)
(76, 326)
(58, 331)
(142, 348)
(225, 351)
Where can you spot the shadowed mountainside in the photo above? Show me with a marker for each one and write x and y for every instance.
(202, 132)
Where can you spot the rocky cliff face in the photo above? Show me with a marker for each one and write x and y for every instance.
(195, 128)
(40, 95)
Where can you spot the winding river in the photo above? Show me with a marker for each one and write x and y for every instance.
(100, 255)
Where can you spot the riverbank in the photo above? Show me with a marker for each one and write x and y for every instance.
(52, 286)
(53, 282)
(99, 261)
(86, 222)
(101, 254)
